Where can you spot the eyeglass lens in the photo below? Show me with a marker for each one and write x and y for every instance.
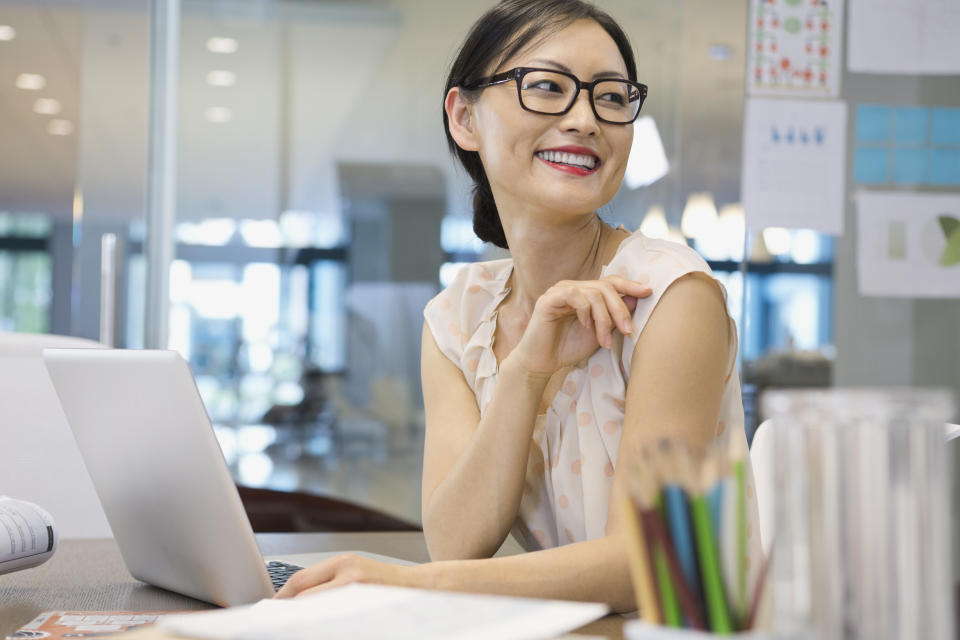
(549, 92)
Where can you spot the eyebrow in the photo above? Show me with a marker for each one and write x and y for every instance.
(563, 67)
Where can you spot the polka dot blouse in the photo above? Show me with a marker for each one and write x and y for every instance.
(570, 470)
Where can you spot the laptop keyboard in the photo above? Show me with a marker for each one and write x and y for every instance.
(280, 572)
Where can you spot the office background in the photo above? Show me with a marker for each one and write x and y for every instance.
(317, 210)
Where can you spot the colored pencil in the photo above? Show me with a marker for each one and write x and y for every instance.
(738, 455)
(653, 520)
(638, 556)
(758, 593)
(727, 543)
(717, 610)
(678, 516)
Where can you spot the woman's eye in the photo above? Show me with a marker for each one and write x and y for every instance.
(614, 98)
(544, 85)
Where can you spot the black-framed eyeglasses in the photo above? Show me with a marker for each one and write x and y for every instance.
(553, 93)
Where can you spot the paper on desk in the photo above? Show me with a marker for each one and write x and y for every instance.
(362, 611)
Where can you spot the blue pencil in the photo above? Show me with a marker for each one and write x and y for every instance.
(678, 519)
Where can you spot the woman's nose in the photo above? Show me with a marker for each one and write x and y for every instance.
(580, 117)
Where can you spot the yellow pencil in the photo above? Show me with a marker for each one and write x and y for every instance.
(641, 574)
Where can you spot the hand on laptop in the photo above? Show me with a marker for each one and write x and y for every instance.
(345, 569)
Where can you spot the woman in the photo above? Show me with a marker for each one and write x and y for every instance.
(542, 374)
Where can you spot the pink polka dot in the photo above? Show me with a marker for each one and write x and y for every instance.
(575, 467)
(721, 427)
(749, 490)
(563, 501)
(538, 468)
(570, 388)
(453, 329)
(445, 304)
(746, 563)
(656, 257)
(608, 469)
(485, 274)
(584, 419)
(596, 370)
(475, 288)
(623, 273)
(556, 460)
(540, 536)
(643, 278)
(620, 404)
(611, 426)
(473, 363)
(569, 535)
(749, 531)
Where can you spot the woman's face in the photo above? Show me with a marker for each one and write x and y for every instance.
(514, 144)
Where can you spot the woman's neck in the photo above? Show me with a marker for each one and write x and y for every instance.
(546, 254)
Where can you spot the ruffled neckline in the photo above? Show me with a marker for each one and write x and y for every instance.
(483, 338)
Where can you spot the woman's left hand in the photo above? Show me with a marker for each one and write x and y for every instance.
(345, 569)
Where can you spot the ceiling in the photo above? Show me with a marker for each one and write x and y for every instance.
(308, 100)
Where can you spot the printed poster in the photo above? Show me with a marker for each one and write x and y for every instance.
(794, 164)
(904, 36)
(795, 48)
(908, 245)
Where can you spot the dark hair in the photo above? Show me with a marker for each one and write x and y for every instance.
(497, 36)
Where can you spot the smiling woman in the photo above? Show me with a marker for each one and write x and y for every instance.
(543, 374)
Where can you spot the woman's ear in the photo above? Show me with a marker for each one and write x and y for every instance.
(460, 120)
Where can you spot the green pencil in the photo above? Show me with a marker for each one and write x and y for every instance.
(668, 597)
(717, 609)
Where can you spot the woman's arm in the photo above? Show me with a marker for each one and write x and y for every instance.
(473, 468)
(677, 377)
(676, 385)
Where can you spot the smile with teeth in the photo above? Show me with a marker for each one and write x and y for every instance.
(571, 159)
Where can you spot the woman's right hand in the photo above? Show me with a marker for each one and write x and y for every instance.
(575, 317)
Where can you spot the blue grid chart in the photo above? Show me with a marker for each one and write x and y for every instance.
(907, 145)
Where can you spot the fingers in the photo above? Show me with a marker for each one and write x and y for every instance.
(628, 287)
(603, 323)
(314, 575)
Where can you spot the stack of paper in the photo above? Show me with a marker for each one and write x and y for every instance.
(363, 611)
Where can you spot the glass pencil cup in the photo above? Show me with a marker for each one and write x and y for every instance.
(861, 539)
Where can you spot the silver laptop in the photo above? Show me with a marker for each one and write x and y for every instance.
(151, 452)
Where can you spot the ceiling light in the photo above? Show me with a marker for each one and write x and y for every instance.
(654, 224)
(46, 106)
(221, 78)
(222, 45)
(31, 81)
(732, 228)
(777, 240)
(648, 161)
(219, 114)
(699, 216)
(59, 127)
(7, 32)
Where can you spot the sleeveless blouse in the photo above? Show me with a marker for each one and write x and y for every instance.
(574, 450)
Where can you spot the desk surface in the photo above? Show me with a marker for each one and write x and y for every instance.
(89, 575)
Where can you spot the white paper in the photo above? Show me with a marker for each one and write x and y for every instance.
(795, 47)
(28, 536)
(901, 244)
(794, 163)
(361, 611)
(904, 36)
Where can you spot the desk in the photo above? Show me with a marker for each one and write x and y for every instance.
(89, 575)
